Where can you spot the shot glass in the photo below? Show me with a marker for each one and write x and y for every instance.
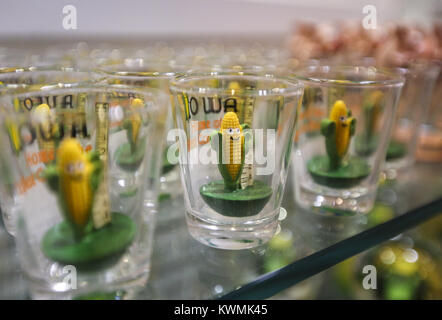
(77, 234)
(234, 133)
(430, 139)
(22, 79)
(413, 106)
(137, 71)
(345, 124)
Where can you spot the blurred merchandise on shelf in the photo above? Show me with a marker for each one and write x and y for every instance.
(405, 268)
(281, 251)
(404, 45)
(393, 44)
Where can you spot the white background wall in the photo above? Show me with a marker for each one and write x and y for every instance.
(43, 18)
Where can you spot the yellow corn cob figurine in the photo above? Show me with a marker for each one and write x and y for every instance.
(372, 108)
(75, 176)
(231, 150)
(233, 143)
(133, 124)
(46, 128)
(14, 134)
(338, 130)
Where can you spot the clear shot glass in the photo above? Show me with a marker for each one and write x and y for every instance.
(22, 79)
(234, 133)
(430, 138)
(342, 136)
(413, 107)
(139, 72)
(77, 235)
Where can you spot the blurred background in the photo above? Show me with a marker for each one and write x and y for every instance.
(136, 20)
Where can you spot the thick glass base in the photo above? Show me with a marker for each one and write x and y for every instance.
(88, 288)
(398, 168)
(170, 183)
(120, 280)
(232, 233)
(336, 203)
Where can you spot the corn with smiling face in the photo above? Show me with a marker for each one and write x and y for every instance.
(233, 144)
(75, 177)
(338, 130)
(231, 149)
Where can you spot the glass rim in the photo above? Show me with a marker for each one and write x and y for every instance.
(394, 76)
(429, 68)
(94, 87)
(229, 69)
(60, 89)
(146, 75)
(137, 72)
(7, 88)
(52, 67)
(181, 84)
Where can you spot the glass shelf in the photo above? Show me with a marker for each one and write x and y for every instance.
(307, 244)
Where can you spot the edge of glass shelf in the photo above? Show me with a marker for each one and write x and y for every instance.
(274, 282)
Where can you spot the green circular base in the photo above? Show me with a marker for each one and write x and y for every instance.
(114, 295)
(346, 176)
(379, 214)
(364, 146)
(129, 161)
(98, 249)
(164, 197)
(129, 193)
(335, 211)
(239, 203)
(167, 166)
(396, 150)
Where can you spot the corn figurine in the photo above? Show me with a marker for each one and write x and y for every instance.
(75, 176)
(129, 156)
(46, 128)
(231, 150)
(372, 110)
(14, 135)
(338, 130)
(227, 196)
(133, 124)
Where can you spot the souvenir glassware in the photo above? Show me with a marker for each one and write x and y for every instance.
(413, 107)
(21, 79)
(79, 232)
(137, 71)
(345, 124)
(234, 133)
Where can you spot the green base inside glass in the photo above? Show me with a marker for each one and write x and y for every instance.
(130, 161)
(334, 211)
(98, 249)
(365, 146)
(164, 197)
(239, 203)
(396, 150)
(167, 166)
(114, 295)
(346, 176)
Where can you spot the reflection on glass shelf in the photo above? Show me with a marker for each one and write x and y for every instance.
(407, 267)
(183, 268)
